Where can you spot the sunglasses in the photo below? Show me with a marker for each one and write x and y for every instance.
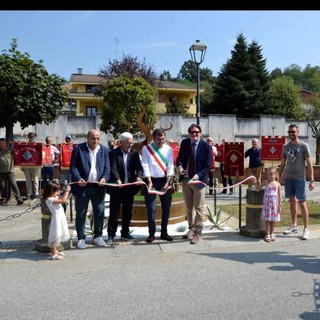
(290, 131)
(195, 132)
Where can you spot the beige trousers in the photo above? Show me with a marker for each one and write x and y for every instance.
(194, 199)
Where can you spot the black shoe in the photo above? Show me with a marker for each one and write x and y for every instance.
(150, 239)
(166, 237)
(19, 202)
(211, 192)
(223, 192)
(127, 237)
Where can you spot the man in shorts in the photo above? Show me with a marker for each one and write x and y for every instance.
(295, 156)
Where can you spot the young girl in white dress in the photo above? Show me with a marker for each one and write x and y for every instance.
(271, 204)
(59, 230)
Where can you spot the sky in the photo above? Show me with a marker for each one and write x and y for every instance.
(68, 40)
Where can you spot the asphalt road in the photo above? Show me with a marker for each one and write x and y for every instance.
(225, 276)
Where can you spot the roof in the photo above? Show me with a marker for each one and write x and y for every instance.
(175, 85)
(95, 79)
(86, 78)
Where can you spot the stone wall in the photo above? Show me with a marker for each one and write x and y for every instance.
(216, 126)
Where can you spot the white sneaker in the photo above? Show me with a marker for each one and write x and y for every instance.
(291, 229)
(99, 242)
(306, 234)
(81, 244)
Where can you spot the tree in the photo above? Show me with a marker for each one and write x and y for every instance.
(283, 98)
(129, 67)
(177, 106)
(188, 71)
(242, 82)
(129, 85)
(260, 83)
(311, 79)
(165, 76)
(311, 111)
(123, 97)
(295, 72)
(231, 90)
(28, 93)
(206, 98)
(276, 73)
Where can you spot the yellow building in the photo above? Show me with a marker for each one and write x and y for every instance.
(83, 102)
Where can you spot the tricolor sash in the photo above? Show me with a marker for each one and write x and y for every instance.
(158, 156)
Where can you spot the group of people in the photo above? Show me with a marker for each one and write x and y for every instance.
(92, 165)
(33, 175)
(295, 166)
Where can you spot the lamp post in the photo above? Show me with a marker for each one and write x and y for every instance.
(273, 127)
(198, 52)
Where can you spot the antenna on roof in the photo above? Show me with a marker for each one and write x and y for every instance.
(116, 40)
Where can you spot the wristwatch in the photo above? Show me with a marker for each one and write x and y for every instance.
(311, 181)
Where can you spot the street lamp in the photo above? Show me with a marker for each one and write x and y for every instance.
(198, 52)
(273, 127)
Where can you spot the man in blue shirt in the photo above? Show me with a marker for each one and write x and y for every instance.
(255, 165)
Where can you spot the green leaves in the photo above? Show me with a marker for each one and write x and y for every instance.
(216, 219)
(28, 94)
(123, 98)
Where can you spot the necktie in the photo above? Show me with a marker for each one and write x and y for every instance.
(191, 161)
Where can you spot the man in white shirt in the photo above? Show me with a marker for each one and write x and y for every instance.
(157, 164)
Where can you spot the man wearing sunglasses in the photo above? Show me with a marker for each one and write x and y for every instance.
(194, 162)
(295, 156)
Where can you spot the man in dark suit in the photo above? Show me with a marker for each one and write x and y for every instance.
(194, 163)
(90, 168)
(125, 168)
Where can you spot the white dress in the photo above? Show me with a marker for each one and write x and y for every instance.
(59, 230)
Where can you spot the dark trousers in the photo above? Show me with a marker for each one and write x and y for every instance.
(224, 180)
(211, 179)
(96, 195)
(8, 181)
(150, 201)
(47, 175)
(120, 197)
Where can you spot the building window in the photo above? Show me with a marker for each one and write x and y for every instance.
(90, 88)
(91, 111)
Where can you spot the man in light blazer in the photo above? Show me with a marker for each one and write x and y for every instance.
(90, 168)
(194, 195)
(125, 168)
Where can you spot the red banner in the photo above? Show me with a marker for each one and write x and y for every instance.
(220, 154)
(175, 150)
(234, 159)
(272, 147)
(27, 154)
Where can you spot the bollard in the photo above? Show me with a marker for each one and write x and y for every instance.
(255, 226)
(42, 244)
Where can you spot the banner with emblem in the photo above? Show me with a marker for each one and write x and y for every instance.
(234, 159)
(27, 154)
(220, 154)
(272, 147)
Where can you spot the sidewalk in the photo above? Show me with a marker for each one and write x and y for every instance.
(20, 227)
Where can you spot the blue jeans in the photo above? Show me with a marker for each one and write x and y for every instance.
(96, 195)
(150, 201)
